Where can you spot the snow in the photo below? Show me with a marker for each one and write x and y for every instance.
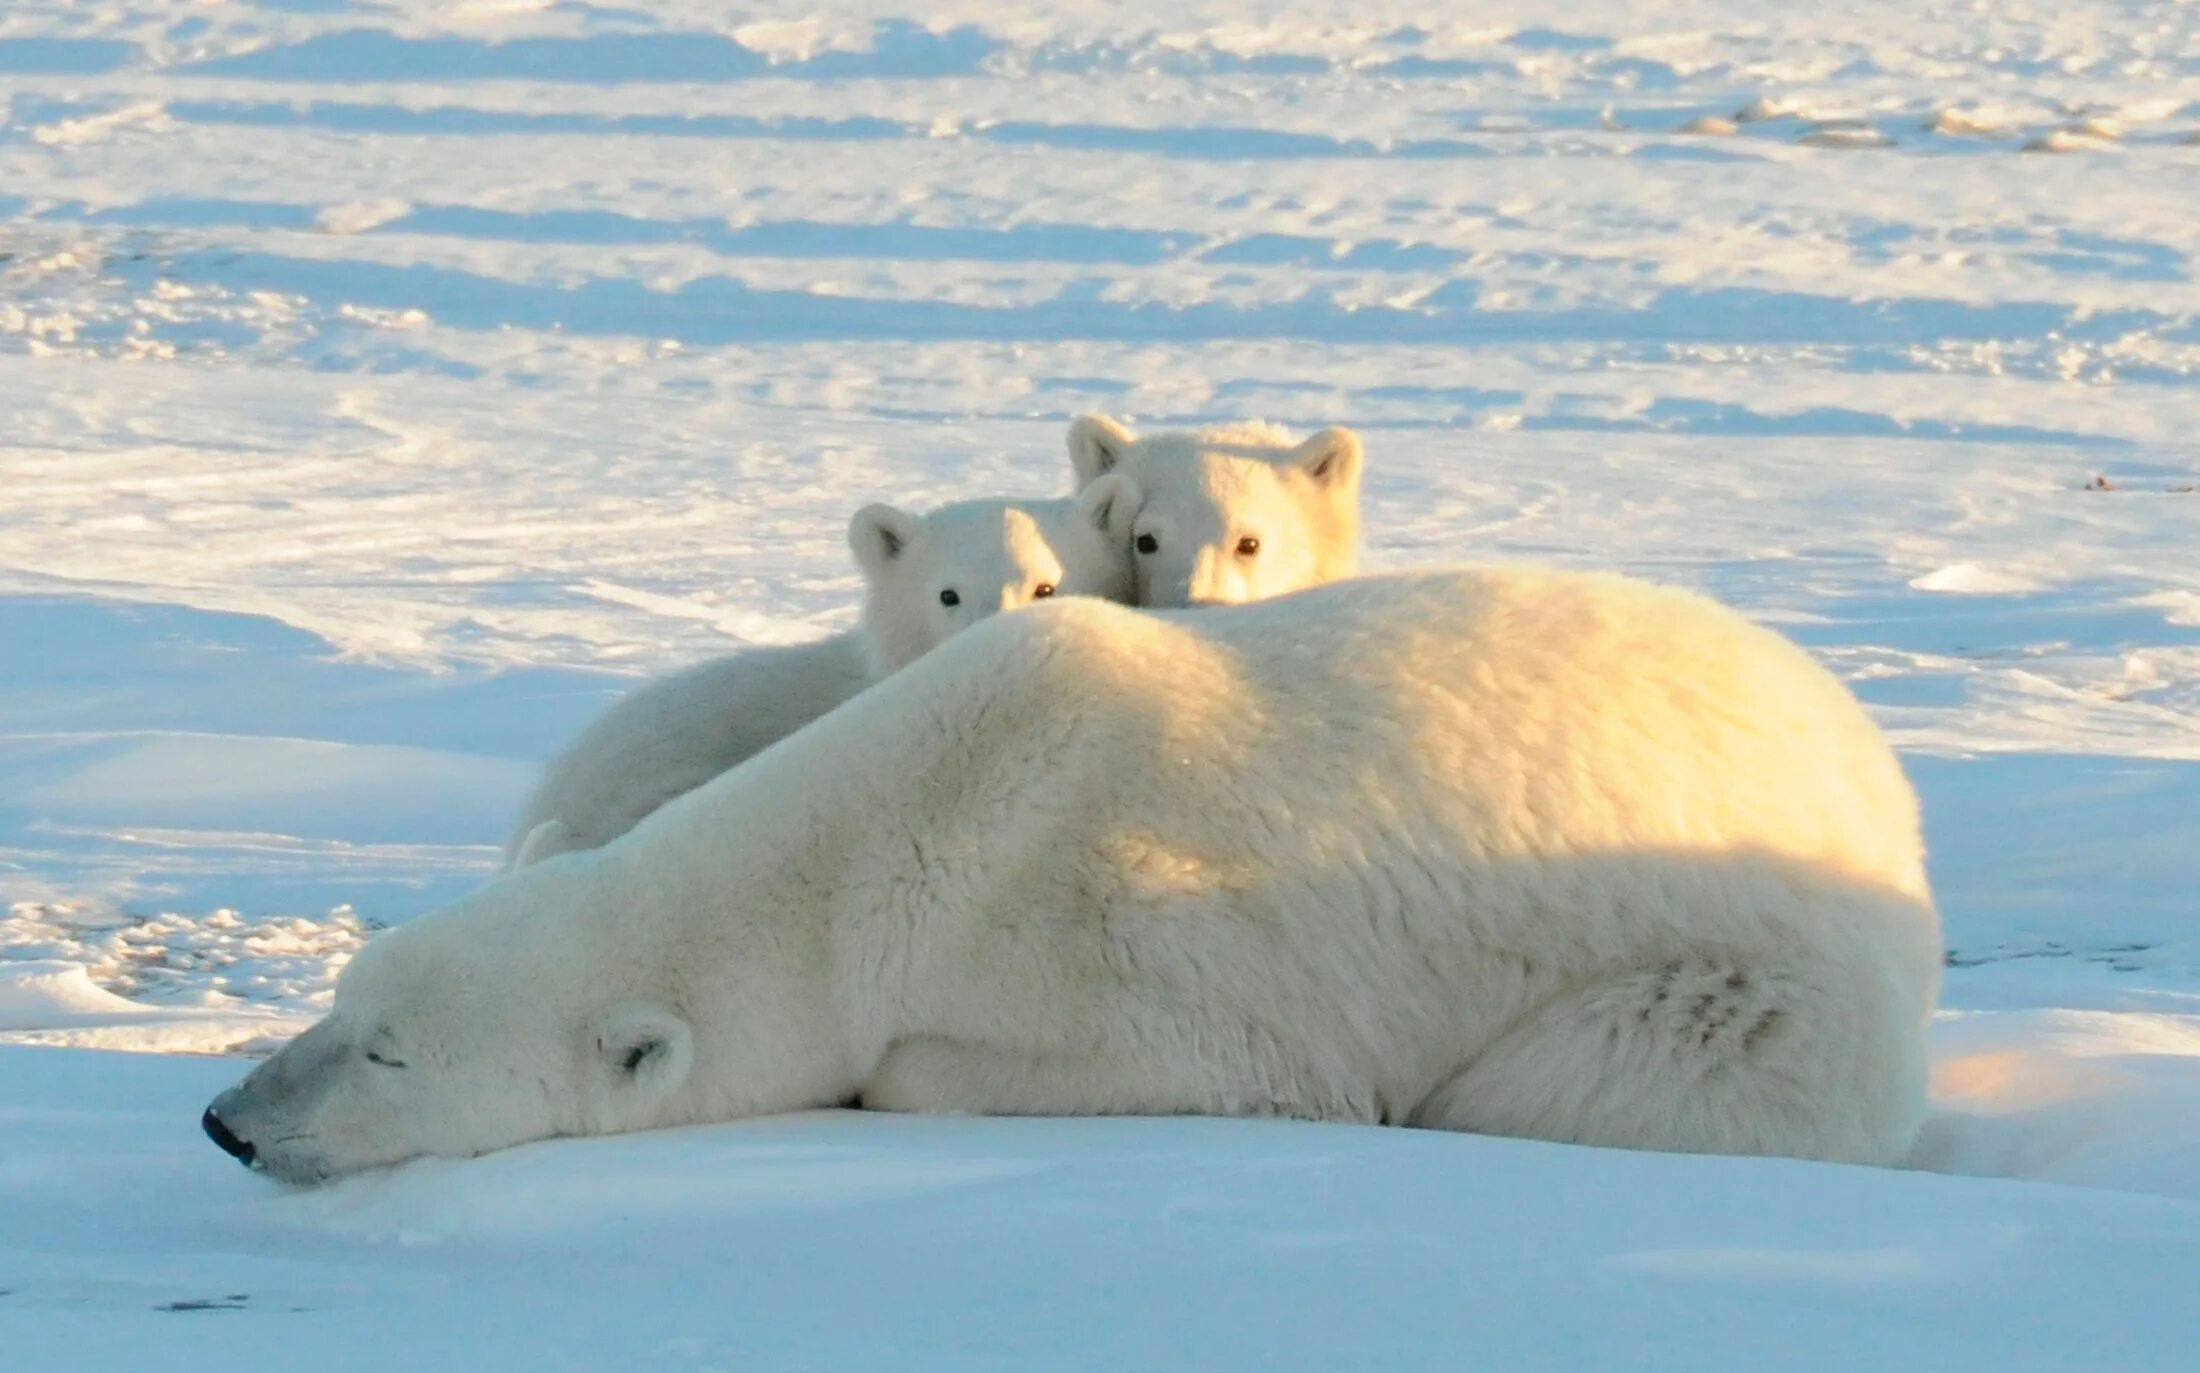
(390, 384)
(845, 1240)
(2089, 1098)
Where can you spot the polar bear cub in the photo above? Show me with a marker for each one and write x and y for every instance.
(1232, 513)
(1511, 851)
(925, 576)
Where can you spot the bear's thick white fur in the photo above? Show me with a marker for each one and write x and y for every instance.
(1232, 513)
(1513, 851)
(677, 733)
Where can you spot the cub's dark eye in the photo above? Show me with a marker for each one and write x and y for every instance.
(1147, 543)
(382, 1060)
(951, 597)
(1248, 546)
(1042, 591)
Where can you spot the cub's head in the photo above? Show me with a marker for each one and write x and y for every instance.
(928, 576)
(448, 1039)
(1236, 513)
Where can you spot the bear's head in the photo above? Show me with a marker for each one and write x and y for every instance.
(1234, 513)
(928, 576)
(534, 1008)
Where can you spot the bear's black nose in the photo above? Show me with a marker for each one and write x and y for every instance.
(231, 1145)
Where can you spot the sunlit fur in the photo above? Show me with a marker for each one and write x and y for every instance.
(680, 731)
(1512, 851)
(1207, 491)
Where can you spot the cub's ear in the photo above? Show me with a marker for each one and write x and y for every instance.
(1332, 458)
(546, 840)
(1096, 445)
(878, 535)
(1110, 505)
(642, 1044)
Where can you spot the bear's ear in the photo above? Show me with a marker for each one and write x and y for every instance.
(546, 840)
(1110, 505)
(1331, 458)
(642, 1044)
(1096, 445)
(878, 535)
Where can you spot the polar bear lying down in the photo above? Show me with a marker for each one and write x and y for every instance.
(1513, 851)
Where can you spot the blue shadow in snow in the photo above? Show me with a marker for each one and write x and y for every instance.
(2066, 252)
(809, 238)
(1114, 58)
(1221, 142)
(1468, 397)
(899, 49)
(1439, 68)
(128, 665)
(789, 239)
(2086, 617)
(1719, 419)
(1206, 143)
(2021, 843)
(2126, 259)
(719, 310)
(120, 717)
(341, 117)
(1296, 250)
(64, 56)
(188, 212)
(1689, 415)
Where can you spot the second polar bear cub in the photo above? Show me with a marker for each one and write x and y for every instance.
(925, 578)
(1236, 512)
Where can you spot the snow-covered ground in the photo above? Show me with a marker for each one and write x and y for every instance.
(387, 383)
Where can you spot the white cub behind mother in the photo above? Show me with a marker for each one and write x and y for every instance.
(1233, 512)
(1514, 851)
(926, 577)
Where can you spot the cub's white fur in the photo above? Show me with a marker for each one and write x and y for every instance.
(1233, 513)
(677, 733)
(1513, 851)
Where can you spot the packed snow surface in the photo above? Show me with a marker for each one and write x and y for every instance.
(389, 383)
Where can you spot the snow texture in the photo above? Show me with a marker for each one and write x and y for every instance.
(389, 383)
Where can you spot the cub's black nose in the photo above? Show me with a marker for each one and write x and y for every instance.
(231, 1145)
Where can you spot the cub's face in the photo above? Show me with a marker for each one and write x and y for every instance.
(1231, 515)
(1219, 530)
(931, 576)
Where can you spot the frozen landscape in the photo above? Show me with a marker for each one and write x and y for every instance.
(388, 384)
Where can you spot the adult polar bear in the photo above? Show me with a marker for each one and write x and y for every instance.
(1511, 851)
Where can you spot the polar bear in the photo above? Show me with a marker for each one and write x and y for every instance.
(1232, 513)
(1515, 851)
(925, 577)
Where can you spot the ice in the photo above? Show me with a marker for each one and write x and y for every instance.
(35, 994)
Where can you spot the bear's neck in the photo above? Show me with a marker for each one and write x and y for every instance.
(843, 859)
